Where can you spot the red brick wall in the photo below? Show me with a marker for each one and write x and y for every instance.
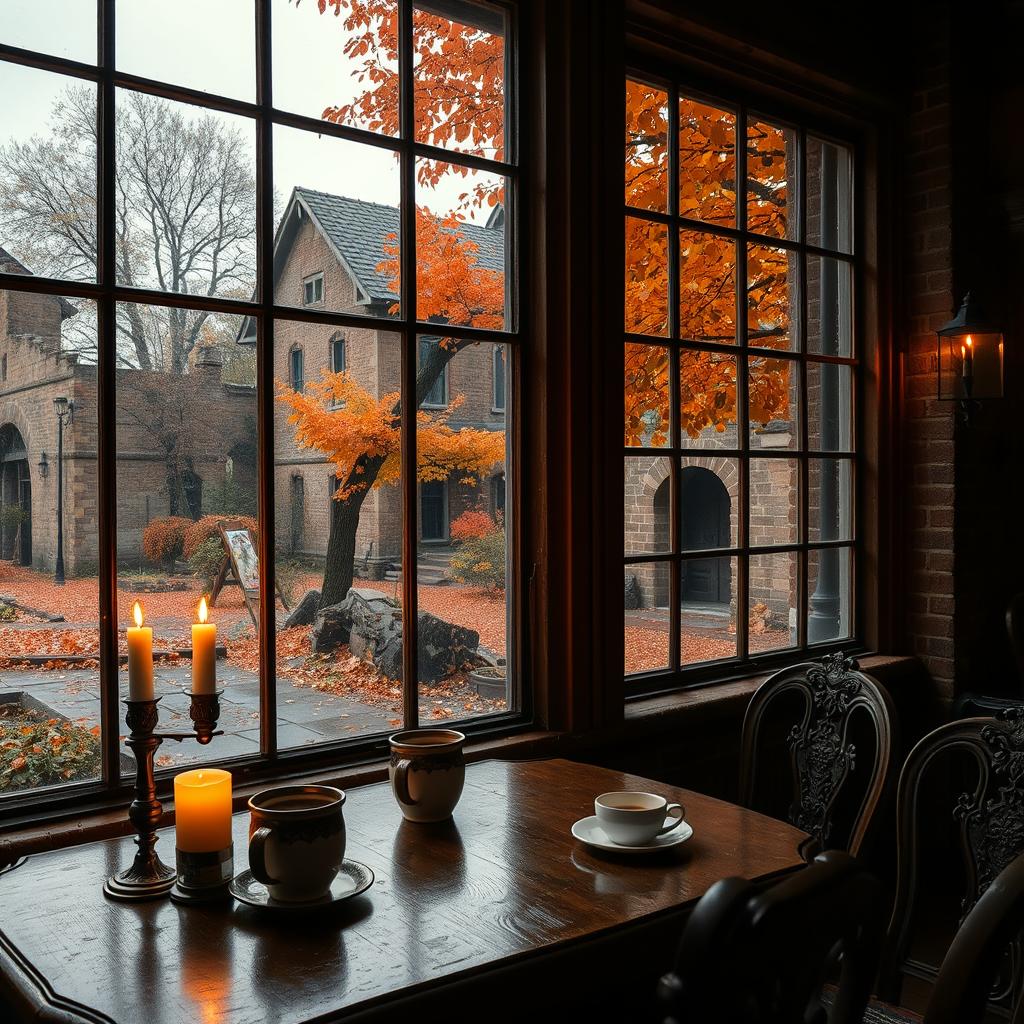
(929, 301)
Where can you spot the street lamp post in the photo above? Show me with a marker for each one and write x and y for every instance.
(65, 410)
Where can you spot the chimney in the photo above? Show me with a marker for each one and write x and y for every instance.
(210, 355)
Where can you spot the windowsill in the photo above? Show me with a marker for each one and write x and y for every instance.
(644, 717)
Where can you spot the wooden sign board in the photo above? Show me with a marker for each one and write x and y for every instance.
(242, 561)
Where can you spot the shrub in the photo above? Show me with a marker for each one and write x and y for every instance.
(481, 560)
(206, 561)
(11, 517)
(473, 524)
(206, 528)
(46, 751)
(163, 539)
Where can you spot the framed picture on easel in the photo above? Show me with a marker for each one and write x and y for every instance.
(240, 567)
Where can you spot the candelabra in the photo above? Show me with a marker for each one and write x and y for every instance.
(148, 876)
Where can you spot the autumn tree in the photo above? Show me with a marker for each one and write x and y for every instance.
(185, 200)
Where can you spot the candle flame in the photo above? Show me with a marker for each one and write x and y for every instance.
(203, 613)
(137, 613)
(970, 342)
(963, 352)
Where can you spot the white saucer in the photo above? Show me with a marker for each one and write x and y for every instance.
(587, 830)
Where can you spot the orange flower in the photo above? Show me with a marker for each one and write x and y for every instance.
(18, 763)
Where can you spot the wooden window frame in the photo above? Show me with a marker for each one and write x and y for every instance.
(110, 789)
(311, 282)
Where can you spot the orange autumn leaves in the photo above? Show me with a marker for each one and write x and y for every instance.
(707, 266)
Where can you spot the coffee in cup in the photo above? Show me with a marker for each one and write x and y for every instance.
(634, 819)
(297, 840)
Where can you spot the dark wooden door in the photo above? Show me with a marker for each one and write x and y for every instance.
(434, 510)
(705, 525)
(25, 496)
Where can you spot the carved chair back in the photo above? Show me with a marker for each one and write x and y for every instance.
(763, 957)
(990, 820)
(822, 751)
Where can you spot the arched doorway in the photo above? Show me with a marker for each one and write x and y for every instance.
(662, 542)
(15, 497)
(705, 525)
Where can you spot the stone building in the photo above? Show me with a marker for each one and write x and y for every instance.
(327, 255)
(161, 469)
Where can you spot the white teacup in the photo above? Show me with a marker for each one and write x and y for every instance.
(634, 819)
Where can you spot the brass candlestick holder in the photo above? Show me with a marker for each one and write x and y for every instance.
(148, 876)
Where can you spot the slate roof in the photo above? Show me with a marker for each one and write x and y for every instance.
(67, 309)
(359, 231)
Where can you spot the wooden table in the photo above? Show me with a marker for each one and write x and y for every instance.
(471, 916)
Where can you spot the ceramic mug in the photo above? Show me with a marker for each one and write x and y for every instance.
(427, 772)
(297, 840)
(634, 819)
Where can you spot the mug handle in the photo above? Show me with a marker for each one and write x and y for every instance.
(675, 824)
(258, 856)
(401, 778)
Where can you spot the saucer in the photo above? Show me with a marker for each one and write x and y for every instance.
(351, 880)
(589, 831)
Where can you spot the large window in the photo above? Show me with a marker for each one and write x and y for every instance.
(740, 371)
(267, 291)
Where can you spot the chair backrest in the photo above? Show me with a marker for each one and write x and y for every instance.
(763, 957)
(972, 964)
(990, 819)
(821, 749)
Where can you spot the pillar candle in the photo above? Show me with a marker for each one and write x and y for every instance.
(204, 653)
(140, 658)
(202, 810)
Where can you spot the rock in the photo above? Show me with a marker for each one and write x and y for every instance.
(443, 647)
(634, 596)
(305, 611)
(331, 627)
(362, 614)
(389, 660)
(375, 623)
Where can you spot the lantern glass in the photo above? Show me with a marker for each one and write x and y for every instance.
(971, 365)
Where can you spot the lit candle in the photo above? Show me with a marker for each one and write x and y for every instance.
(202, 810)
(140, 658)
(204, 653)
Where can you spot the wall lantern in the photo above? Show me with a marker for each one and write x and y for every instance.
(970, 359)
(44, 466)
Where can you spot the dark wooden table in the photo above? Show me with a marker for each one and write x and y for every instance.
(480, 912)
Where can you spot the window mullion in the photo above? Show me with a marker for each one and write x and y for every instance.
(742, 381)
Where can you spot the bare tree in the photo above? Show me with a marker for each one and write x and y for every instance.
(185, 194)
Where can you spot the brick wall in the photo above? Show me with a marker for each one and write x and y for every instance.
(929, 302)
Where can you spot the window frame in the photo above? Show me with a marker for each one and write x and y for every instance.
(311, 281)
(784, 108)
(110, 789)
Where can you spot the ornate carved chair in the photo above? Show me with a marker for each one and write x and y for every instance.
(762, 957)
(822, 751)
(990, 829)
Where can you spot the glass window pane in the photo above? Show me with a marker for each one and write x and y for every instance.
(771, 179)
(774, 402)
(710, 493)
(334, 480)
(774, 502)
(49, 637)
(647, 506)
(460, 248)
(830, 594)
(186, 193)
(829, 195)
(330, 63)
(707, 610)
(463, 547)
(646, 277)
(337, 242)
(707, 287)
(186, 469)
(195, 43)
(773, 297)
(829, 407)
(707, 399)
(63, 28)
(772, 611)
(48, 174)
(459, 80)
(829, 306)
(707, 162)
(830, 499)
(646, 147)
(501, 376)
(646, 396)
(646, 618)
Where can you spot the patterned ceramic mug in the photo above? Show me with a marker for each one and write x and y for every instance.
(297, 840)
(427, 772)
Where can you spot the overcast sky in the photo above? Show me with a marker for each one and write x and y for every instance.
(210, 45)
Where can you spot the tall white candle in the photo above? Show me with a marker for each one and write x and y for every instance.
(204, 653)
(140, 658)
